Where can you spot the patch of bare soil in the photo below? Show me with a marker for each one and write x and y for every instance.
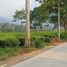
(57, 41)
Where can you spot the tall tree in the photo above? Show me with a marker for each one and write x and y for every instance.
(64, 15)
(27, 40)
(58, 8)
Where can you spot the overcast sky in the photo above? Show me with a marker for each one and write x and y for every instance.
(8, 7)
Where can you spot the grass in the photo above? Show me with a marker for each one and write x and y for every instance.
(8, 52)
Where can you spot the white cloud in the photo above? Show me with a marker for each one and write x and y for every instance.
(8, 7)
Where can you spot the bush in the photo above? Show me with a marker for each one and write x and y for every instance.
(4, 43)
(64, 36)
(48, 39)
(9, 43)
(13, 42)
(37, 42)
(22, 41)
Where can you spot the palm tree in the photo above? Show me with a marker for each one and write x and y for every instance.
(58, 7)
(27, 40)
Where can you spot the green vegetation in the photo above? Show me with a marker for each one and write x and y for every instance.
(13, 51)
(12, 43)
(53, 11)
(8, 52)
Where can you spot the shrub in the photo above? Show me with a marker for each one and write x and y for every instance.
(13, 42)
(9, 43)
(4, 43)
(48, 39)
(22, 41)
(37, 42)
(64, 36)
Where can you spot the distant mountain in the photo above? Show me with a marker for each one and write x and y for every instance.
(3, 20)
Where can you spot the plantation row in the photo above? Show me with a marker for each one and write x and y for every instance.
(13, 39)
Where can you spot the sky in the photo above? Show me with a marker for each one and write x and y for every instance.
(8, 7)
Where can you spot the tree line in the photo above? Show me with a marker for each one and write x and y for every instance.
(55, 10)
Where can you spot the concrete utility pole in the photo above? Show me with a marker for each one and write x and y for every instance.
(27, 40)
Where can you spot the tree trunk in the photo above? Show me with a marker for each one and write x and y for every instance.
(27, 40)
(65, 27)
(58, 6)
